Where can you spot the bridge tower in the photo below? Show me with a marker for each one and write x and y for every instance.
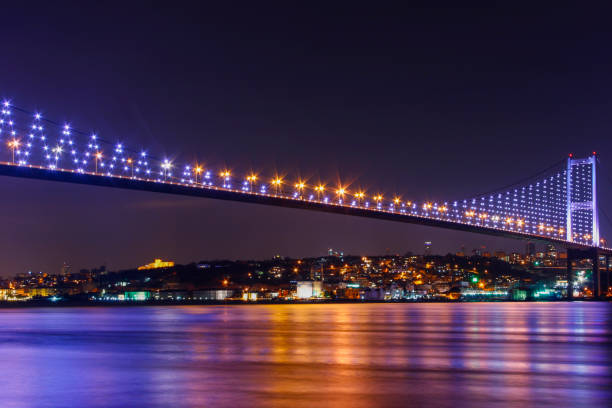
(581, 194)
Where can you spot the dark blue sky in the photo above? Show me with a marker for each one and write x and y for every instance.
(428, 103)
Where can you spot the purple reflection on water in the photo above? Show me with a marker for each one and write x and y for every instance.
(344, 355)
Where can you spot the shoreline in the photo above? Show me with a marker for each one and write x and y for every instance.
(68, 303)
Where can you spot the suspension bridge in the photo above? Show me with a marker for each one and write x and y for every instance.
(558, 205)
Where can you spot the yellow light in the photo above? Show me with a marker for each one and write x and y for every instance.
(98, 155)
(198, 169)
(277, 182)
(320, 188)
(341, 191)
(129, 161)
(359, 195)
(378, 197)
(396, 200)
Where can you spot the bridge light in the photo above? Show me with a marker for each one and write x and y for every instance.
(37, 116)
(341, 191)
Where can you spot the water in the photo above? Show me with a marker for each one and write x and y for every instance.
(340, 355)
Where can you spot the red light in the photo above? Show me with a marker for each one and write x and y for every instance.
(594, 153)
(571, 155)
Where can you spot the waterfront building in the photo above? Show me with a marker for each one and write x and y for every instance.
(309, 289)
(212, 294)
(137, 296)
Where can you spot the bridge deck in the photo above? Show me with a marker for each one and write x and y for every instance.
(40, 173)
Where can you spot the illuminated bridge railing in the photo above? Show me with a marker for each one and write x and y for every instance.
(560, 204)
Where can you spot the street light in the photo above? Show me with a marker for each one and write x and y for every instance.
(131, 163)
(197, 170)
(319, 189)
(251, 179)
(226, 178)
(277, 183)
(341, 191)
(359, 196)
(299, 186)
(14, 144)
(98, 156)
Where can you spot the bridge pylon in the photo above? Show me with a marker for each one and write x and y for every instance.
(581, 196)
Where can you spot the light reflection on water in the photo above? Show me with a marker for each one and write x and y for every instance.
(342, 355)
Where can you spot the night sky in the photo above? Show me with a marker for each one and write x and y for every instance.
(436, 104)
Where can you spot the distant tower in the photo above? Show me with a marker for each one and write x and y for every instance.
(427, 247)
(65, 269)
(530, 249)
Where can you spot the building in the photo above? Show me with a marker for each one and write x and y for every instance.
(309, 289)
(501, 255)
(530, 249)
(156, 264)
(171, 295)
(212, 294)
(42, 292)
(138, 296)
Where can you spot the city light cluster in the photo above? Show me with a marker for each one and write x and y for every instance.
(539, 208)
